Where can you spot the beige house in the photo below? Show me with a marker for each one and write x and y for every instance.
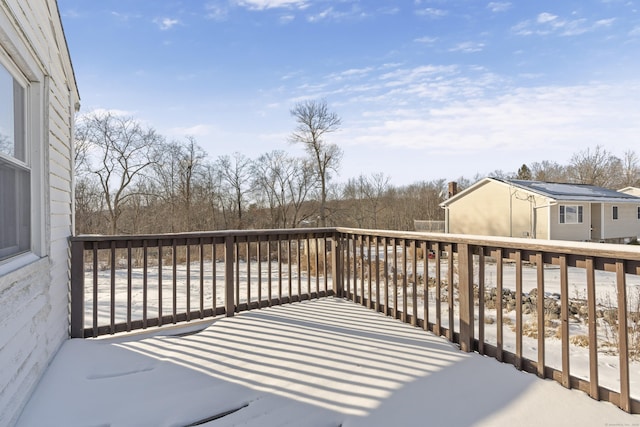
(543, 210)
(38, 100)
(634, 191)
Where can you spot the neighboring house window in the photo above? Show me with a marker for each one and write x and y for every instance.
(615, 212)
(15, 173)
(638, 212)
(570, 214)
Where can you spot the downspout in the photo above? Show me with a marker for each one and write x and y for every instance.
(510, 211)
(446, 219)
(602, 222)
(548, 222)
(534, 217)
(590, 222)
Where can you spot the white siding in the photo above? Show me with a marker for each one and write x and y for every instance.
(34, 297)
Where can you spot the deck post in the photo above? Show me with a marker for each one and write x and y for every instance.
(336, 267)
(228, 275)
(77, 289)
(465, 289)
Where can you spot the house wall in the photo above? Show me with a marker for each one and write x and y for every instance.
(542, 218)
(575, 232)
(495, 209)
(626, 226)
(596, 221)
(34, 286)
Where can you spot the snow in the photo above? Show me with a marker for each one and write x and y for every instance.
(325, 362)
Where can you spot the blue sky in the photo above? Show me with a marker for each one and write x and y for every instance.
(425, 89)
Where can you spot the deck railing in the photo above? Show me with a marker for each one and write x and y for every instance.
(561, 310)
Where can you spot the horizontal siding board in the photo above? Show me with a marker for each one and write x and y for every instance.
(60, 208)
(60, 233)
(60, 187)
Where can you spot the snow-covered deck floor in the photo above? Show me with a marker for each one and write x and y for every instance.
(327, 362)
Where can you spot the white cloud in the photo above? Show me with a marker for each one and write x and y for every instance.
(124, 17)
(635, 32)
(431, 12)
(199, 130)
(331, 13)
(358, 71)
(102, 112)
(547, 119)
(166, 23)
(545, 17)
(467, 47)
(499, 6)
(325, 14)
(285, 19)
(70, 13)
(548, 23)
(426, 40)
(604, 22)
(215, 12)
(272, 4)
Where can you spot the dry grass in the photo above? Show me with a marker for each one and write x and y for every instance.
(579, 340)
(530, 328)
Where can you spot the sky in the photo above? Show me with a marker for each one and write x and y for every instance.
(425, 89)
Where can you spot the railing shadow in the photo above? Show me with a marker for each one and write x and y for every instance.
(285, 365)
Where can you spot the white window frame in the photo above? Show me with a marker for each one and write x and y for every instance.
(578, 214)
(16, 163)
(23, 68)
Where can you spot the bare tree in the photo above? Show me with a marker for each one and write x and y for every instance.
(630, 174)
(235, 175)
(167, 170)
(284, 183)
(594, 167)
(548, 171)
(208, 196)
(120, 150)
(364, 196)
(314, 122)
(89, 205)
(191, 159)
(354, 196)
(377, 188)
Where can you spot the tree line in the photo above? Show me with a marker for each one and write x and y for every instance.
(131, 180)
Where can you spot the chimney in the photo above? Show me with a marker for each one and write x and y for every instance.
(453, 189)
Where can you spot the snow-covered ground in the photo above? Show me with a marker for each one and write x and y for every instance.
(325, 362)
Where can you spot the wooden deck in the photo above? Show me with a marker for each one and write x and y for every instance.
(327, 362)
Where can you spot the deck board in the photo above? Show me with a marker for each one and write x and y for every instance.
(325, 362)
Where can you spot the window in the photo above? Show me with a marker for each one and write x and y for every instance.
(15, 173)
(638, 212)
(615, 212)
(570, 214)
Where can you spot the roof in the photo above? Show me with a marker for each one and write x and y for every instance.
(573, 192)
(559, 191)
